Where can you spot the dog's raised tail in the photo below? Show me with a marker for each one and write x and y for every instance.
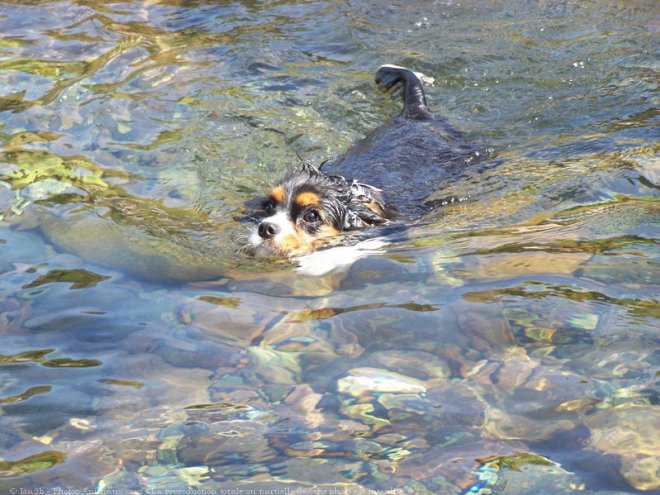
(393, 79)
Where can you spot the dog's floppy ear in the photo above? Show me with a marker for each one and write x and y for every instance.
(367, 207)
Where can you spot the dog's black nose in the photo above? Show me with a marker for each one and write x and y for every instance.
(268, 230)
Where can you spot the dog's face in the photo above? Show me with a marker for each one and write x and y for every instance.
(309, 208)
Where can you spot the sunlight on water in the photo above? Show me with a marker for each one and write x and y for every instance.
(504, 343)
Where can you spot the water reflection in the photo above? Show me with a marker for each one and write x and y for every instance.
(504, 343)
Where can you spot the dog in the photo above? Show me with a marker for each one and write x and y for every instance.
(383, 179)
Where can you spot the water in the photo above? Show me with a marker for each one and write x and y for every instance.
(505, 344)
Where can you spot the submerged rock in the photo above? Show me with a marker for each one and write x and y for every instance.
(505, 266)
(625, 430)
(633, 433)
(515, 369)
(503, 426)
(274, 366)
(31, 464)
(522, 473)
(361, 381)
(418, 364)
(641, 472)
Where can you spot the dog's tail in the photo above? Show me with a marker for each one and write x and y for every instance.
(393, 79)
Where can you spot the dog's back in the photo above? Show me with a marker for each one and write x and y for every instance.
(413, 154)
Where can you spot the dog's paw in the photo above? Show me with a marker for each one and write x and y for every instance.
(389, 78)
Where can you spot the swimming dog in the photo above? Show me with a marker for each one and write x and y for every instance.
(383, 179)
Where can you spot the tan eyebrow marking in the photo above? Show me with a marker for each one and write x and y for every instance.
(308, 198)
(278, 194)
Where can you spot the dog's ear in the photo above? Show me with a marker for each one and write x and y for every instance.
(367, 207)
(359, 216)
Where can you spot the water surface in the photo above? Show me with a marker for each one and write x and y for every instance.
(506, 343)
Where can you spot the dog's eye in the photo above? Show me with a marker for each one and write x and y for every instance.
(311, 216)
(269, 208)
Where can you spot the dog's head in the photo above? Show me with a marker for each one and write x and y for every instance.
(309, 208)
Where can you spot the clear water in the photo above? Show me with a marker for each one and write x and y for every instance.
(507, 344)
